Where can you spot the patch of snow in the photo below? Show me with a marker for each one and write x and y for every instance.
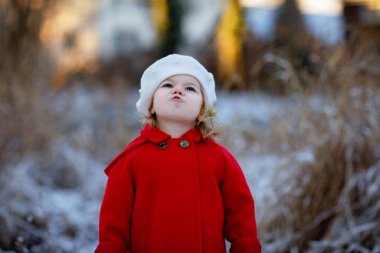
(250, 110)
(260, 172)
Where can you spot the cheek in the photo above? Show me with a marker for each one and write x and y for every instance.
(154, 103)
(157, 102)
(198, 102)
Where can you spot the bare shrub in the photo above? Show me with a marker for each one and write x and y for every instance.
(333, 198)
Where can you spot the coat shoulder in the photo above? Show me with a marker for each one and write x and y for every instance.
(130, 148)
(218, 148)
(220, 151)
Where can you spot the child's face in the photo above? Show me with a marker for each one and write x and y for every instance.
(178, 98)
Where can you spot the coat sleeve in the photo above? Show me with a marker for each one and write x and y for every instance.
(240, 224)
(116, 210)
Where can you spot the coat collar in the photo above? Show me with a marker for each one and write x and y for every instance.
(156, 135)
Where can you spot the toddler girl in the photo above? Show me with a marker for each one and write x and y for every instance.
(174, 189)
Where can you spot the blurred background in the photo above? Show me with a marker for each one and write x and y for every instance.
(298, 105)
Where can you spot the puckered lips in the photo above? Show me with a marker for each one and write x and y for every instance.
(176, 98)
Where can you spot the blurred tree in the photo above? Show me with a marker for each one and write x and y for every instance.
(20, 24)
(229, 39)
(160, 16)
(70, 36)
(292, 36)
(362, 35)
(23, 75)
(167, 17)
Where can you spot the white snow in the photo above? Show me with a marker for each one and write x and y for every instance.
(71, 213)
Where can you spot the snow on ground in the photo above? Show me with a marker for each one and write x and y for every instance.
(71, 211)
(253, 112)
(250, 110)
(68, 217)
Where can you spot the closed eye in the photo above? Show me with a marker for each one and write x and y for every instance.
(167, 85)
(190, 88)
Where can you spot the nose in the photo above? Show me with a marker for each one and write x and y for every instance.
(178, 90)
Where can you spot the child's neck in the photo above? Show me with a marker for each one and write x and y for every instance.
(174, 129)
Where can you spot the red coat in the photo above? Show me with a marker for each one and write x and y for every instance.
(167, 195)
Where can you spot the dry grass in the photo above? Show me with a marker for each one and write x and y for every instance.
(34, 128)
(337, 192)
(331, 204)
(27, 121)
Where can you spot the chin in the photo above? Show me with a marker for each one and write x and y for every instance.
(176, 118)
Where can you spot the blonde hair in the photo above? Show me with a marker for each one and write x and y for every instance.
(205, 121)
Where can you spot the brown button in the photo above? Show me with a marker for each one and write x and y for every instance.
(184, 144)
(163, 145)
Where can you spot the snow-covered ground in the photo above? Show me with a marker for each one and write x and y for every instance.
(62, 198)
(71, 211)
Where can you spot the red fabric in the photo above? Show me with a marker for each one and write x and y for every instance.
(176, 199)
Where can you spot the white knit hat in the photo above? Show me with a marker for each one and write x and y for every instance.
(168, 66)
